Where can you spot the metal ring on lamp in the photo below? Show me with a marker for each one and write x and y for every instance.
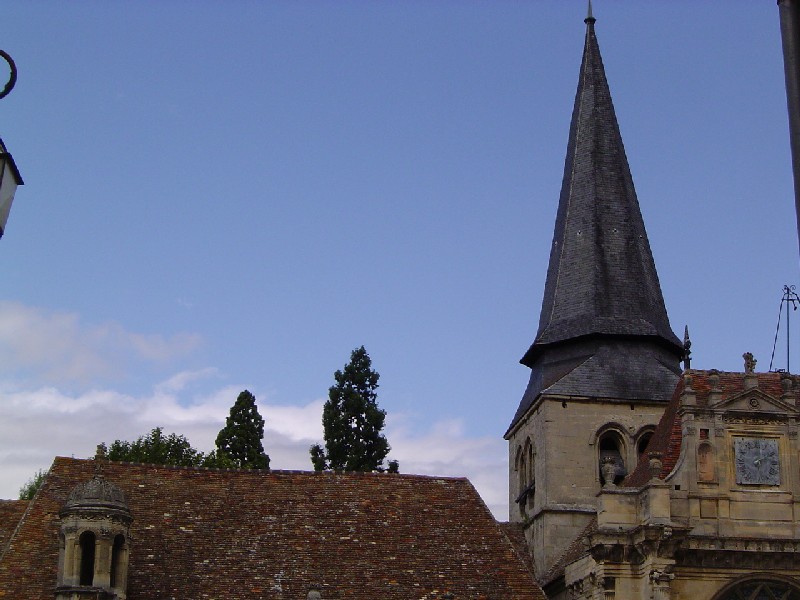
(12, 80)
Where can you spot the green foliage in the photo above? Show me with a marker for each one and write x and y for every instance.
(352, 421)
(157, 449)
(240, 439)
(27, 491)
(217, 459)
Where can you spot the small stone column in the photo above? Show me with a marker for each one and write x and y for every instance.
(70, 568)
(102, 559)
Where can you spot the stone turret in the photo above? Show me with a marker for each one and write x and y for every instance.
(94, 540)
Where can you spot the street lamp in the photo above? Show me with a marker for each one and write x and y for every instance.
(9, 174)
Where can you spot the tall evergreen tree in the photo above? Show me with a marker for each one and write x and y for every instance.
(352, 421)
(240, 439)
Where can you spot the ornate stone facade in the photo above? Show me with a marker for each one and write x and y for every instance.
(642, 482)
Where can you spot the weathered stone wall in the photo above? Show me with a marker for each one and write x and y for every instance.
(564, 433)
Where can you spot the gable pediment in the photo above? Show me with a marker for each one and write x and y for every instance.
(756, 400)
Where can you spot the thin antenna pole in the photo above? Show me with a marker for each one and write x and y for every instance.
(790, 297)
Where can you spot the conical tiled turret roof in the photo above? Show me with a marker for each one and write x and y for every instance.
(602, 287)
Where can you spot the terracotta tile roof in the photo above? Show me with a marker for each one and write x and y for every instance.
(515, 532)
(201, 533)
(10, 513)
(668, 436)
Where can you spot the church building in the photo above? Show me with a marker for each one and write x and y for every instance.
(632, 476)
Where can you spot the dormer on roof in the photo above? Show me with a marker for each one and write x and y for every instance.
(94, 540)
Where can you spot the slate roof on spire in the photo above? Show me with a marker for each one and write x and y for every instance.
(603, 329)
(601, 279)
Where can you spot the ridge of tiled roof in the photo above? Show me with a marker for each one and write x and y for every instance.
(667, 436)
(280, 471)
(258, 534)
(515, 532)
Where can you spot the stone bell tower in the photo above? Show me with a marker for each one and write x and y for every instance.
(605, 360)
(94, 540)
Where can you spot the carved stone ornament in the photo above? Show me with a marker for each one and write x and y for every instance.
(752, 419)
(786, 384)
(655, 464)
(713, 380)
(749, 362)
(314, 593)
(608, 468)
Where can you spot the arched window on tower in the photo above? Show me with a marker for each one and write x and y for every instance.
(520, 467)
(611, 447)
(643, 442)
(87, 545)
(531, 474)
(525, 468)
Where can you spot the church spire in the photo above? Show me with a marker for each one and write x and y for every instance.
(602, 287)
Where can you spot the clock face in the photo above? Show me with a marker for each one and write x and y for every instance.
(757, 461)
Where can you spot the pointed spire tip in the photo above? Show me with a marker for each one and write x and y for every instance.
(589, 20)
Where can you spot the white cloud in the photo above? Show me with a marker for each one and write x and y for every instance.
(57, 347)
(40, 424)
(56, 350)
(446, 450)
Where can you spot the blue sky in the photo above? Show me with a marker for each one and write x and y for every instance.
(230, 195)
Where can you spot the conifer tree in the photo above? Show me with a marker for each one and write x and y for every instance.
(352, 421)
(240, 439)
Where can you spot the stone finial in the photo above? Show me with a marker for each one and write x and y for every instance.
(314, 593)
(687, 352)
(655, 464)
(715, 393)
(101, 453)
(787, 385)
(688, 397)
(589, 16)
(713, 380)
(750, 377)
(749, 362)
(100, 459)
